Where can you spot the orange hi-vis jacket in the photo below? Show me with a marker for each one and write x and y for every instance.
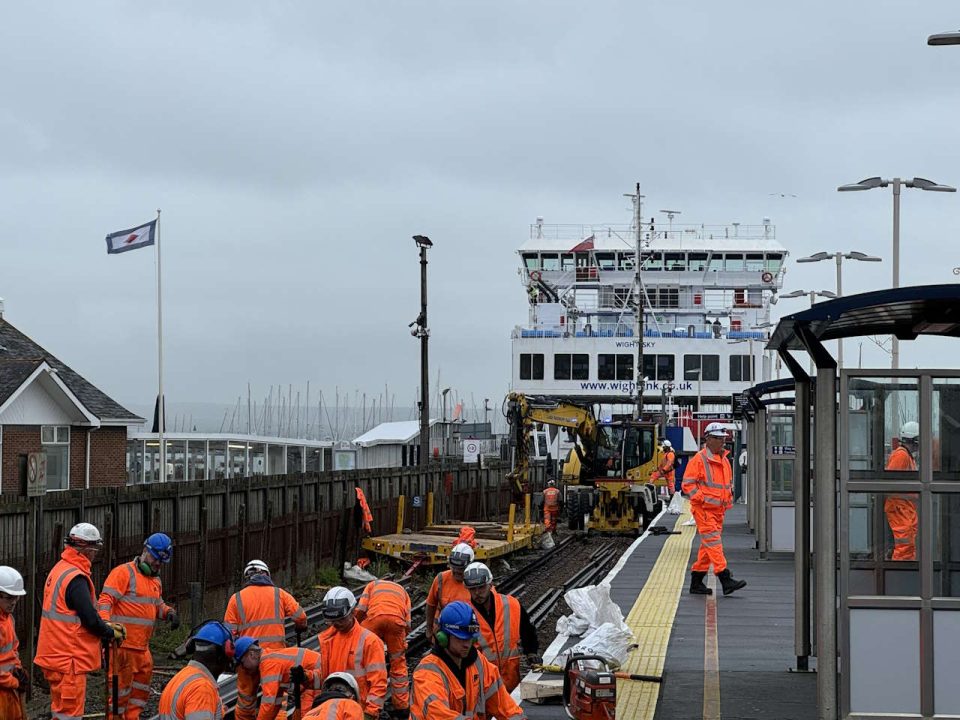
(336, 709)
(666, 467)
(360, 653)
(501, 644)
(191, 694)
(382, 597)
(551, 498)
(275, 669)
(259, 611)
(445, 590)
(901, 459)
(708, 480)
(438, 694)
(135, 601)
(64, 645)
(365, 510)
(9, 655)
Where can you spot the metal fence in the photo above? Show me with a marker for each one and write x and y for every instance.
(292, 522)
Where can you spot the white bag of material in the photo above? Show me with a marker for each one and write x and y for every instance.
(572, 625)
(607, 641)
(676, 504)
(546, 541)
(593, 604)
(352, 572)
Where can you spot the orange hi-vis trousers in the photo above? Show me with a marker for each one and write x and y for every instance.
(10, 708)
(134, 669)
(248, 685)
(902, 516)
(393, 631)
(550, 518)
(68, 694)
(709, 519)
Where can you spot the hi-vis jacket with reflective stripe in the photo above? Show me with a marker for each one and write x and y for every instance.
(336, 709)
(64, 645)
(275, 676)
(438, 695)
(446, 589)
(382, 597)
(501, 644)
(551, 498)
(360, 653)
(708, 480)
(259, 611)
(9, 657)
(135, 601)
(901, 459)
(191, 694)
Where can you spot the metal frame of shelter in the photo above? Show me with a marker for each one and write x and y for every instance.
(898, 652)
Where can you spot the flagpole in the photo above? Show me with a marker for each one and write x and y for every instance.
(161, 405)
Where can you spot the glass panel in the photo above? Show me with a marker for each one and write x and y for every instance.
(218, 459)
(606, 367)
(946, 428)
(134, 461)
(774, 261)
(781, 478)
(781, 430)
(697, 262)
(550, 262)
(625, 261)
(946, 545)
(734, 262)
(561, 367)
(716, 262)
(63, 433)
(197, 452)
(524, 366)
(151, 461)
(531, 261)
(711, 367)
(314, 459)
(754, 262)
(675, 262)
(58, 466)
(581, 366)
(275, 457)
(176, 460)
(883, 429)
(624, 367)
(258, 459)
(566, 262)
(650, 366)
(48, 434)
(237, 459)
(665, 367)
(606, 261)
(883, 542)
(294, 459)
(653, 261)
(537, 366)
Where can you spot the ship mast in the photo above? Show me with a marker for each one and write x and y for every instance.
(640, 384)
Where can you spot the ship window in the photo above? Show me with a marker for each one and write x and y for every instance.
(531, 261)
(774, 261)
(551, 262)
(710, 365)
(734, 262)
(675, 262)
(716, 262)
(625, 261)
(654, 261)
(531, 366)
(571, 367)
(658, 367)
(615, 367)
(566, 262)
(741, 368)
(621, 296)
(754, 262)
(667, 297)
(606, 261)
(697, 262)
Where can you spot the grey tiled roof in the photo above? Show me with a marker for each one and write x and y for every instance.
(19, 356)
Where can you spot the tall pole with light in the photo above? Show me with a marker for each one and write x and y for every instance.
(421, 331)
(896, 183)
(840, 257)
(813, 295)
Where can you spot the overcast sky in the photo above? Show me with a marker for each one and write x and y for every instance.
(295, 147)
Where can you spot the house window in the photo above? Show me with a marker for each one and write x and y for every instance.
(741, 368)
(55, 440)
(571, 367)
(615, 367)
(708, 365)
(658, 367)
(531, 366)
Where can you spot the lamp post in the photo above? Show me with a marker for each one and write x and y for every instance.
(486, 410)
(421, 331)
(896, 184)
(813, 294)
(840, 257)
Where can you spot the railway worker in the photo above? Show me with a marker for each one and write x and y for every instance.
(339, 699)
(901, 508)
(14, 681)
(454, 681)
(505, 628)
(448, 585)
(193, 693)
(133, 596)
(551, 506)
(279, 670)
(258, 611)
(666, 468)
(68, 646)
(384, 610)
(708, 482)
(346, 646)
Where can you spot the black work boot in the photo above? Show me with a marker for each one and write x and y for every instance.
(729, 584)
(696, 584)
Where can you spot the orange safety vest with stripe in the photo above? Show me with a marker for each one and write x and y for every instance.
(445, 590)
(901, 460)
(382, 597)
(258, 611)
(666, 468)
(9, 655)
(135, 601)
(501, 644)
(708, 480)
(64, 645)
(438, 694)
(551, 498)
(360, 653)
(365, 508)
(275, 673)
(336, 709)
(191, 694)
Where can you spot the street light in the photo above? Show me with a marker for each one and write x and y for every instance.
(896, 183)
(813, 294)
(421, 331)
(946, 38)
(840, 257)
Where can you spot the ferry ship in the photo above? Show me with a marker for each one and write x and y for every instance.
(705, 291)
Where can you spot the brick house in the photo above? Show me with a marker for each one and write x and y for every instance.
(47, 407)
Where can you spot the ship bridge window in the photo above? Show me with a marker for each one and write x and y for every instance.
(566, 262)
(625, 261)
(741, 368)
(754, 262)
(716, 262)
(734, 262)
(574, 366)
(531, 366)
(697, 262)
(654, 261)
(658, 367)
(665, 297)
(550, 261)
(675, 262)
(615, 367)
(606, 261)
(706, 367)
(774, 261)
(531, 261)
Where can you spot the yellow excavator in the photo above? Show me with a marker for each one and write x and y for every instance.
(610, 476)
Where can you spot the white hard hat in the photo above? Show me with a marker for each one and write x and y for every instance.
(716, 429)
(338, 603)
(910, 430)
(11, 582)
(256, 567)
(461, 555)
(667, 443)
(477, 575)
(551, 483)
(346, 678)
(85, 533)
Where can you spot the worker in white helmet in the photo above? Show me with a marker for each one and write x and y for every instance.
(448, 585)
(14, 682)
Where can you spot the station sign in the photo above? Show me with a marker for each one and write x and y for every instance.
(738, 401)
(783, 450)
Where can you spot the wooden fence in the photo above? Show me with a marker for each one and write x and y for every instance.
(291, 522)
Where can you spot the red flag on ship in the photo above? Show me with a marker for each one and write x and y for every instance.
(583, 245)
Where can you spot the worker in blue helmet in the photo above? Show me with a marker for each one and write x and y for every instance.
(193, 691)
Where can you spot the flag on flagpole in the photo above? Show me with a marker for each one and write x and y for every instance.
(131, 239)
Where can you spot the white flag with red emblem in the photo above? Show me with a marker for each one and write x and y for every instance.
(131, 239)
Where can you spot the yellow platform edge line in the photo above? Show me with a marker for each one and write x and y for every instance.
(651, 620)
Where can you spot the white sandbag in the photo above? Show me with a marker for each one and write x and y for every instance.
(676, 504)
(352, 572)
(546, 541)
(593, 604)
(572, 625)
(607, 641)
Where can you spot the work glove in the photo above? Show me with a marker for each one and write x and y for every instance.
(23, 680)
(534, 659)
(298, 675)
(119, 632)
(174, 620)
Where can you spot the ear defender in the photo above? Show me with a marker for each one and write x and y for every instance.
(145, 568)
(442, 638)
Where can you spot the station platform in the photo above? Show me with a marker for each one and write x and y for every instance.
(719, 657)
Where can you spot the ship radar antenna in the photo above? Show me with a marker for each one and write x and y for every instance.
(671, 214)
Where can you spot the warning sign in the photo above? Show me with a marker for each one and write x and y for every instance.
(471, 448)
(36, 474)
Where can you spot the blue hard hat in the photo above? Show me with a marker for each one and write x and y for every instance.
(242, 645)
(160, 546)
(459, 620)
(215, 633)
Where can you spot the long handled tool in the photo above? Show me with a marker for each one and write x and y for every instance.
(106, 678)
(616, 674)
(296, 698)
